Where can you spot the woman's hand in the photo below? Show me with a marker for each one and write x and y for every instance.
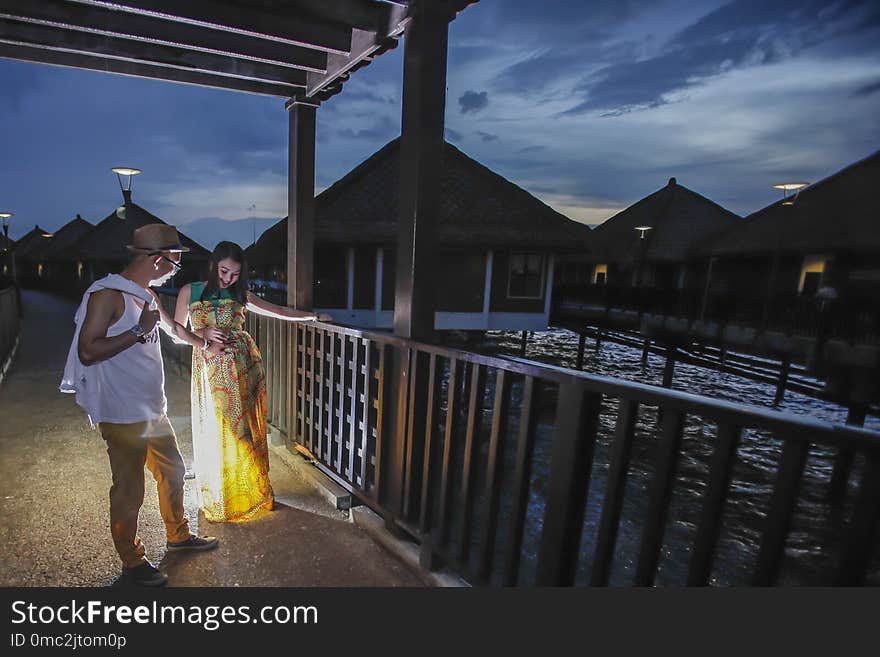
(215, 335)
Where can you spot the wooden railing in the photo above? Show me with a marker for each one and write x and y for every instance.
(499, 467)
(10, 326)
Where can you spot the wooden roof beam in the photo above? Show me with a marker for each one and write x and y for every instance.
(140, 70)
(99, 20)
(242, 19)
(39, 36)
(363, 45)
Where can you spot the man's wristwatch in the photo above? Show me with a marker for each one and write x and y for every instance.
(138, 331)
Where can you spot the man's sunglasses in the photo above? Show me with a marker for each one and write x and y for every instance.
(177, 266)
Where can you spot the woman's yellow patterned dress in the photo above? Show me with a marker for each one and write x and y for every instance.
(230, 453)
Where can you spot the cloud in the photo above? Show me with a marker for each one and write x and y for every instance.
(486, 136)
(452, 135)
(740, 34)
(383, 129)
(867, 89)
(531, 149)
(473, 101)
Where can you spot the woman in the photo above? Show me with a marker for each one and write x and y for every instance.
(230, 453)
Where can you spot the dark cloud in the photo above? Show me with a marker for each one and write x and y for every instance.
(531, 149)
(486, 136)
(867, 89)
(452, 135)
(473, 101)
(741, 34)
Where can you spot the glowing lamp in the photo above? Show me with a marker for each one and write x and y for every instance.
(642, 230)
(790, 187)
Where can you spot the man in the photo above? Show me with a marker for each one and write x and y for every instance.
(115, 368)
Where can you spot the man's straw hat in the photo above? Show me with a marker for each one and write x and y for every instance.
(154, 238)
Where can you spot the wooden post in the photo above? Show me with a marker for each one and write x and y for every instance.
(421, 168)
(301, 203)
(420, 175)
(598, 340)
(855, 416)
(783, 378)
(582, 340)
(707, 287)
(523, 342)
(645, 349)
(669, 369)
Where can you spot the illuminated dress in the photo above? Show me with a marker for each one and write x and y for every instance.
(230, 453)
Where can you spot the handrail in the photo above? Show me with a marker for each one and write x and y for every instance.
(10, 327)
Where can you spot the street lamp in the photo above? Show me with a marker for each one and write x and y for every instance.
(642, 230)
(6, 216)
(128, 172)
(790, 187)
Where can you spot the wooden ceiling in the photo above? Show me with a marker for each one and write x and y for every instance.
(300, 49)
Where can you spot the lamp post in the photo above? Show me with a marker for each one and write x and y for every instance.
(642, 248)
(10, 254)
(787, 200)
(128, 172)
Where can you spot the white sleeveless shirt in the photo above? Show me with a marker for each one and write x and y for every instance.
(130, 386)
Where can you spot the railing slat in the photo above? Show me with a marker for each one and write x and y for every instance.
(366, 432)
(571, 460)
(340, 435)
(612, 503)
(301, 340)
(382, 385)
(778, 521)
(863, 528)
(522, 474)
(310, 352)
(471, 445)
(323, 443)
(497, 439)
(452, 393)
(432, 415)
(353, 425)
(332, 436)
(415, 413)
(658, 498)
(720, 471)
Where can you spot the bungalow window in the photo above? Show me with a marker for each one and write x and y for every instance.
(811, 274)
(526, 279)
(600, 274)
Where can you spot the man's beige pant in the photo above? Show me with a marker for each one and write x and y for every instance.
(131, 446)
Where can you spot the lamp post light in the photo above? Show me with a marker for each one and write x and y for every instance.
(790, 187)
(128, 172)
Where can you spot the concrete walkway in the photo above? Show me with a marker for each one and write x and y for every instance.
(55, 478)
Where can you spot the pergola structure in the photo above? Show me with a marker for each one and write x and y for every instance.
(300, 50)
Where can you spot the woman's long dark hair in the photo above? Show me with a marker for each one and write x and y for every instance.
(239, 289)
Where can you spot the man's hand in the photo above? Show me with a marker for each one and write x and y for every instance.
(215, 335)
(215, 349)
(149, 318)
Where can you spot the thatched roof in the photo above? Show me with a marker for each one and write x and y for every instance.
(678, 218)
(33, 241)
(63, 238)
(107, 240)
(840, 212)
(477, 207)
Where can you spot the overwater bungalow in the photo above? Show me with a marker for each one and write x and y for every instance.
(648, 246)
(770, 267)
(495, 254)
(101, 251)
(39, 265)
(33, 241)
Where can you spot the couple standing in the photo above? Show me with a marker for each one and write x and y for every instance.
(115, 369)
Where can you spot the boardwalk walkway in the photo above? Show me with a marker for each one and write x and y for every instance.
(55, 478)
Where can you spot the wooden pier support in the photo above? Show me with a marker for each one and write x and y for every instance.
(582, 340)
(783, 379)
(669, 369)
(843, 461)
(645, 349)
(523, 341)
(598, 340)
